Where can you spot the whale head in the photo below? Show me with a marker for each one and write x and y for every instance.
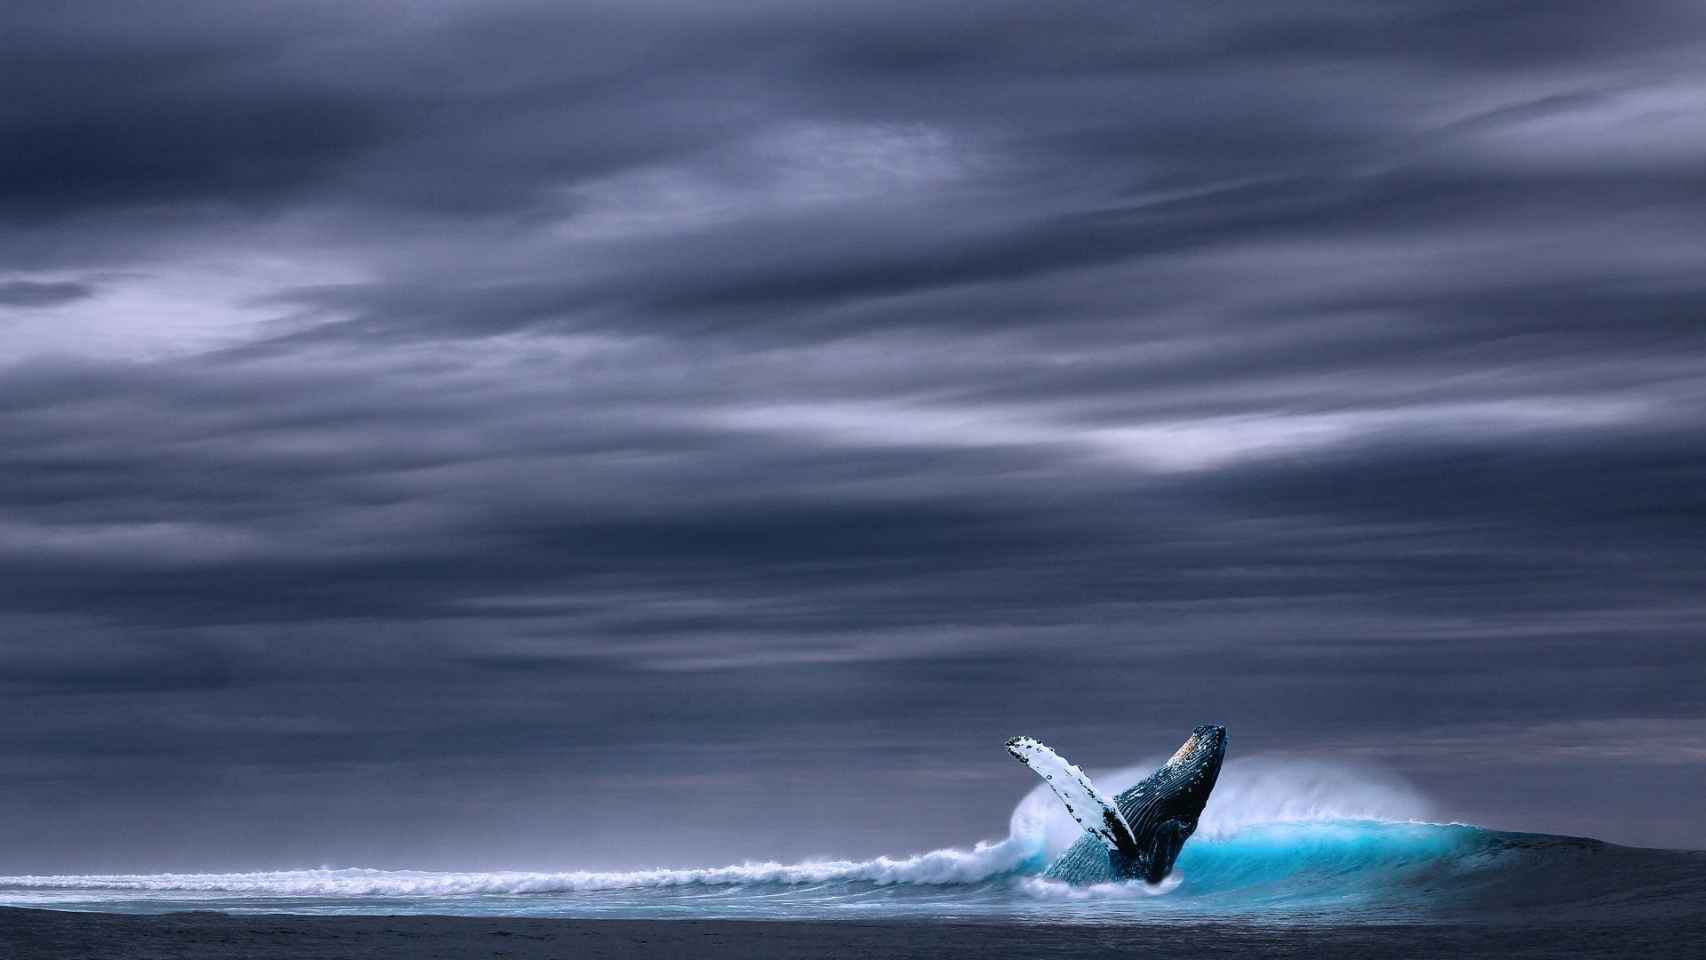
(1193, 768)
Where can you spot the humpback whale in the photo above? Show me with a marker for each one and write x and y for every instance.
(1138, 834)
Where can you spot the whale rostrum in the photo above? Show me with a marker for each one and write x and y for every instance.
(1138, 834)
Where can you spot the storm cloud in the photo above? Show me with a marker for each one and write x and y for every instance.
(449, 434)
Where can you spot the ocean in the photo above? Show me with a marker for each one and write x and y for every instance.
(1281, 843)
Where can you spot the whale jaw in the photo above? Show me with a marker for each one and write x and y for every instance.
(1164, 809)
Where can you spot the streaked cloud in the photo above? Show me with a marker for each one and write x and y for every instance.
(404, 413)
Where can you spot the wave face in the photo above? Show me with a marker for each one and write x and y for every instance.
(1280, 840)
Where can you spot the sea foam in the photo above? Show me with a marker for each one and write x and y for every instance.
(1251, 792)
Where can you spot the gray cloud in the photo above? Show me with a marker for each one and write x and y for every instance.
(498, 419)
(42, 293)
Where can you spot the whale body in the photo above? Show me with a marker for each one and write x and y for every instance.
(1137, 834)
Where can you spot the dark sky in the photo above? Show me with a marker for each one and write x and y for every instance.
(591, 434)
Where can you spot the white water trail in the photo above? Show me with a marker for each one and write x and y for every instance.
(937, 867)
(1251, 791)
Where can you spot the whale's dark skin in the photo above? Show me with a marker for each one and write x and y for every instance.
(1162, 810)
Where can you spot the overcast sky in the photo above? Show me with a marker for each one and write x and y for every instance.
(581, 434)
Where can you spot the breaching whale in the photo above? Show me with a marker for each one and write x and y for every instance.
(1138, 834)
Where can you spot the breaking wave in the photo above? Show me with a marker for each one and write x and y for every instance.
(1277, 836)
(937, 867)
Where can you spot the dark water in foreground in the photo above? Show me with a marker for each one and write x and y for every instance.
(54, 935)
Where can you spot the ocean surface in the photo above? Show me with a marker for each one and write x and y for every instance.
(1280, 843)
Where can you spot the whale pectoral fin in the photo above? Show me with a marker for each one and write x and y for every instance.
(1165, 842)
(1093, 811)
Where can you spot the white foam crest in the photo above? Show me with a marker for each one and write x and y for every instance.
(1261, 790)
(948, 866)
(1250, 791)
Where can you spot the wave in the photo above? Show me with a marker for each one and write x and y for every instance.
(1256, 791)
(937, 867)
(1277, 836)
(1300, 868)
